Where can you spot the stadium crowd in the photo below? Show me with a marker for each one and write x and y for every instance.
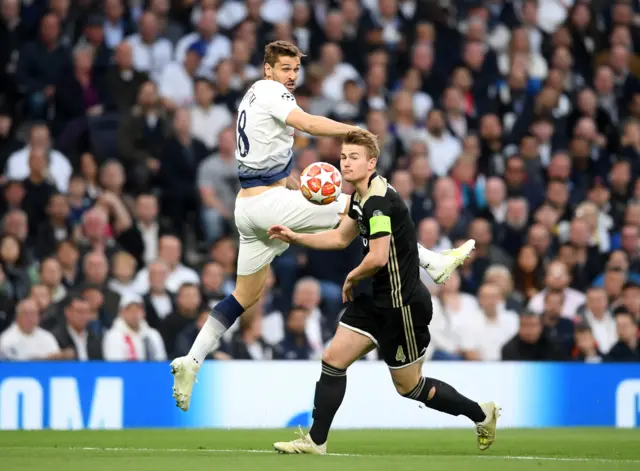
(515, 123)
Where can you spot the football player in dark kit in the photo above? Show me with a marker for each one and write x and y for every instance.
(395, 318)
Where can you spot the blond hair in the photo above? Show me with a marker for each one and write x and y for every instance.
(363, 138)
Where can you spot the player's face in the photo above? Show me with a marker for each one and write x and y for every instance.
(285, 71)
(354, 163)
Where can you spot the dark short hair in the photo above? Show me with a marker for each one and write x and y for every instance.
(276, 49)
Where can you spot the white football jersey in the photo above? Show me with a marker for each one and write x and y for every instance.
(263, 140)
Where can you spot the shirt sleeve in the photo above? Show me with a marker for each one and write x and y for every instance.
(378, 212)
(276, 100)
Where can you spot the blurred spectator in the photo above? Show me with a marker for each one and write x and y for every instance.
(180, 160)
(498, 325)
(95, 270)
(557, 279)
(247, 342)
(530, 344)
(55, 227)
(142, 136)
(177, 82)
(17, 166)
(43, 62)
(212, 279)
(627, 347)
(208, 120)
(123, 80)
(188, 302)
(73, 333)
(215, 45)
(599, 319)
(169, 252)
(218, 184)
(15, 279)
(24, 340)
(151, 53)
(158, 302)
(587, 348)
(556, 328)
(131, 338)
(123, 270)
(295, 344)
(529, 272)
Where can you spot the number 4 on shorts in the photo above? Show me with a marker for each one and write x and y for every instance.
(400, 356)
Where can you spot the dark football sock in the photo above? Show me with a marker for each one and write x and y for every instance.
(330, 391)
(445, 399)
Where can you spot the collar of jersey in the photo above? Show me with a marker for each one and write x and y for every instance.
(373, 175)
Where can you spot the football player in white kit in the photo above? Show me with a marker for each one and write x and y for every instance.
(267, 119)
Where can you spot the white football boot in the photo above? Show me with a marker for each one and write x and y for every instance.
(300, 446)
(184, 371)
(486, 430)
(442, 265)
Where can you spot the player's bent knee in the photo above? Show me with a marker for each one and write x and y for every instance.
(335, 358)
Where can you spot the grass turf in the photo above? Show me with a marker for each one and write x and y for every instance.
(353, 450)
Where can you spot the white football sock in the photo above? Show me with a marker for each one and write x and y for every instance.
(207, 340)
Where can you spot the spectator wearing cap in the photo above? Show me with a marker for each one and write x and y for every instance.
(212, 45)
(41, 65)
(24, 340)
(627, 348)
(597, 316)
(74, 334)
(177, 82)
(130, 338)
(151, 53)
(58, 166)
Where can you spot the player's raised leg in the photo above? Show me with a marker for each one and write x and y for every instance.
(346, 347)
(249, 289)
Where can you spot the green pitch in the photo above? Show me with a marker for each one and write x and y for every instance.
(393, 450)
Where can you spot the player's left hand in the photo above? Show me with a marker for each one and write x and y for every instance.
(347, 290)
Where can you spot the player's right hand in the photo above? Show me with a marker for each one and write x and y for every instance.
(281, 232)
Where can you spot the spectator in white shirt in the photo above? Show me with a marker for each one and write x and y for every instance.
(123, 269)
(177, 81)
(151, 53)
(216, 46)
(25, 341)
(170, 252)
(600, 320)
(557, 279)
(337, 72)
(444, 149)
(454, 328)
(130, 338)
(147, 224)
(498, 325)
(17, 166)
(158, 301)
(208, 120)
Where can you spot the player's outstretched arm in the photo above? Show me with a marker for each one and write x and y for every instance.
(317, 125)
(335, 239)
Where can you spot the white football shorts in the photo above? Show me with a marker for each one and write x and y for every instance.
(254, 216)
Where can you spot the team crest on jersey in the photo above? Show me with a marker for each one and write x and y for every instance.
(377, 212)
(286, 96)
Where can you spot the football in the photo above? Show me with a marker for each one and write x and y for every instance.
(321, 183)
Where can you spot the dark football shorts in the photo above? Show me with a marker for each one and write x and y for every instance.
(401, 334)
